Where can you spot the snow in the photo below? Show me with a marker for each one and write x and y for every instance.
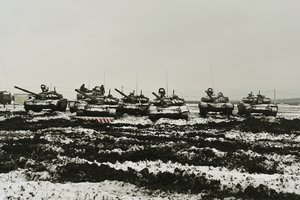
(132, 120)
(60, 115)
(228, 178)
(252, 137)
(287, 166)
(12, 108)
(13, 185)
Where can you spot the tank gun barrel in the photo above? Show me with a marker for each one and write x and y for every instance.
(86, 95)
(209, 95)
(158, 97)
(124, 95)
(27, 91)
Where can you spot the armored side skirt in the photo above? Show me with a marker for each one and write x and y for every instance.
(39, 105)
(133, 109)
(265, 109)
(93, 110)
(224, 108)
(172, 112)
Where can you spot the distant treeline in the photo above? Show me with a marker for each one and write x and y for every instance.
(196, 102)
(291, 101)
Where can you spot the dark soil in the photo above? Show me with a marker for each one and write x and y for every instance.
(39, 149)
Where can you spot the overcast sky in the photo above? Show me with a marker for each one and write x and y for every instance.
(241, 45)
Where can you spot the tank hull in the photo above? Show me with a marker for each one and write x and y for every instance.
(265, 109)
(137, 109)
(93, 110)
(172, 112)
(224, 108)
(37, 105)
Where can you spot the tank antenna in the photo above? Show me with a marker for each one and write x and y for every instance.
(212, 77)
(104, 78)
(136, 82)
(167, 84)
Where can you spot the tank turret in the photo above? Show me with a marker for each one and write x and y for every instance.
(132, 98)
(109, 99)
(163, 100)
(133, 104)
(162, 93)
(215, 103)
(85, 95)
(95, 104)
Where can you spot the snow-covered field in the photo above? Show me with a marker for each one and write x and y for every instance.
(54, 156)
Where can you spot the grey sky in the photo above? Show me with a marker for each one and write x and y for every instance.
(246, 45)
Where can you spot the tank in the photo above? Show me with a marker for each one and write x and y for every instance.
(95, 105)
(133, 104)
(83, 99)
(215, 103)
(168, 107)
(257, 104)
(50, 100)
(5, 98)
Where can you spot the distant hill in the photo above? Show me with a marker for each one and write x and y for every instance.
(196, 102)
(291, 101)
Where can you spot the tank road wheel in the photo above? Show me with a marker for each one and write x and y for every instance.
(26, 109)
(185, 116)
(153, 118)
(61, 105)
(37, 109)
(119, 114)
(73, 109)
(73, 106)
(272, 114)
(228, 112)
(242, 111)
